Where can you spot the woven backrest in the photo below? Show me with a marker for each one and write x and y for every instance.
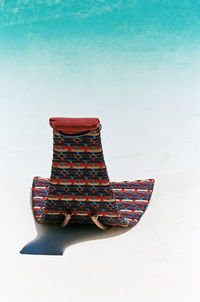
(79, 182)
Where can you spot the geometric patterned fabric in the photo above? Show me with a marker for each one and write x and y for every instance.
(79, 185)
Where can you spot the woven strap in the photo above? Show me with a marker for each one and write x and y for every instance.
(79, 189)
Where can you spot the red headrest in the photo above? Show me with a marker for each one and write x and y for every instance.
(74, 125)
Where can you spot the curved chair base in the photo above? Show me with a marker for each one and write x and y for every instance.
(66, 220)
(98, 223)
(132, 199)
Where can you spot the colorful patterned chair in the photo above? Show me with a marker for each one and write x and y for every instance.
(79, 189)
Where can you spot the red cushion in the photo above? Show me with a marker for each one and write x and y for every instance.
(74, 125)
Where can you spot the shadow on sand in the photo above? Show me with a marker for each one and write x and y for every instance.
(53, 240)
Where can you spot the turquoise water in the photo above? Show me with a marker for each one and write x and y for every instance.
(69, 32)
(93, 57)
(133, 64)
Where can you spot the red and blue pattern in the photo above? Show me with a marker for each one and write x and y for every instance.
(79, 185)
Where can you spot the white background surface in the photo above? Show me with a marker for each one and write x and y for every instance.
(150, 133)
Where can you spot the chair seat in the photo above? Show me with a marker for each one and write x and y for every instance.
(132, 199)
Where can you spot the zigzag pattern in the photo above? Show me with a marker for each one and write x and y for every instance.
(79, 184)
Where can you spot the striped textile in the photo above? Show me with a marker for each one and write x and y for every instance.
(79, 185)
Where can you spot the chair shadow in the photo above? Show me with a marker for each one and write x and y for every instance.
(53, 240)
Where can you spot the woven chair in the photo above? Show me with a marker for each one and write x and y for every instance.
(79, 189)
